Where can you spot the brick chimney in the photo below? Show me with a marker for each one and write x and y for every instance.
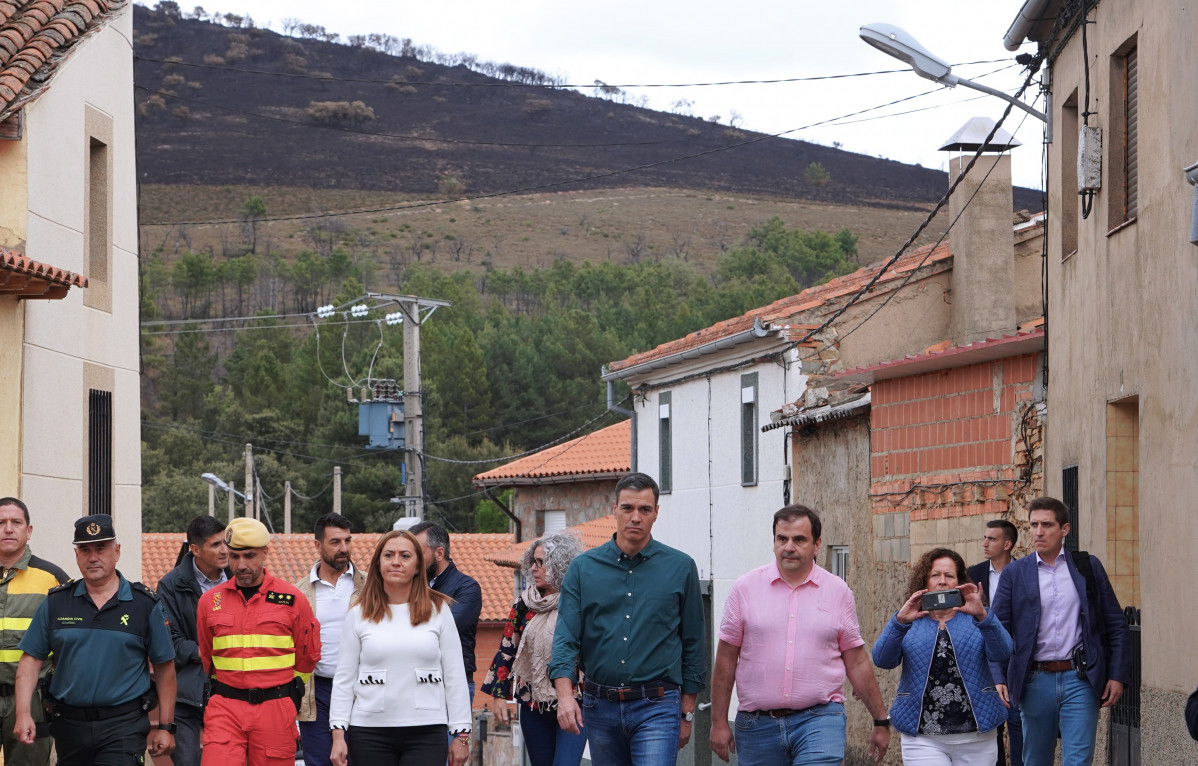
(982, 240)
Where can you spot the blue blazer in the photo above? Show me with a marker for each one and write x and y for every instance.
(976, 645)
(1017, 605)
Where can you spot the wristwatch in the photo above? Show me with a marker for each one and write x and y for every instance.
(688, 717)
(882, 722)
(173, 728)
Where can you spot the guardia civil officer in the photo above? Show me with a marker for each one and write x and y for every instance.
(101, 629)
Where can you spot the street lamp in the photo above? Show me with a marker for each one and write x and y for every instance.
(215, 483)
(895, 42)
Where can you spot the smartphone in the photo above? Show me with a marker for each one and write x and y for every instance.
(941, 599)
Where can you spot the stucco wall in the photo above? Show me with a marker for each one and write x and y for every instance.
(582, 501)
(69, 346)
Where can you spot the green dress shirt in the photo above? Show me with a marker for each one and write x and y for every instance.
(628, 621)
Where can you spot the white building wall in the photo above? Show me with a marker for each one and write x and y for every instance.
(66, 341)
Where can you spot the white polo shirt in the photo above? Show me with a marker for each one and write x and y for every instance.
(332, 604)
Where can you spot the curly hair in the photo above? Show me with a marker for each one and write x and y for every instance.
(560, 548)
(923, 568)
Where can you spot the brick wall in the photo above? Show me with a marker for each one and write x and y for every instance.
(951, 444)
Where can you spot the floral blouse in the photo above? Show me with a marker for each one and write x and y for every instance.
(499, 681)
(946, 706)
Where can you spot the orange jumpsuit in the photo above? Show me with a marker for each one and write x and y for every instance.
(260, 644)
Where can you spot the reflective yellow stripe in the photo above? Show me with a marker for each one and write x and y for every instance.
(254, 663)
(10, 655)
(15, 623)
(305, 677)
(252, 641)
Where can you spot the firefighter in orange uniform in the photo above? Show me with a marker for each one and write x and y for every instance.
(260, 641)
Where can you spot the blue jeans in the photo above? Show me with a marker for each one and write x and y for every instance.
(190, 722)
(811, 736)
(1058, 702)
(633, 733)
(315, 735)
(547, 743)
(1015, 727)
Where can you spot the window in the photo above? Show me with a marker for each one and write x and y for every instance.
(748, 428)
(1067, 136)
(1124, 152)
(840, 561)
(99, 452)
(1069, 498)
(551, 521)
(665, 452)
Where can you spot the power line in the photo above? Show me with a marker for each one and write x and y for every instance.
(549, 185)
(496, 83)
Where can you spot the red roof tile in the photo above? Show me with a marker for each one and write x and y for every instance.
(591, 534)
(27, 278)
(782, 311)
(291, 556)
(36, 36)
(602, 454)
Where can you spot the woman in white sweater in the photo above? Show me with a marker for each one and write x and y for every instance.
(400, 685)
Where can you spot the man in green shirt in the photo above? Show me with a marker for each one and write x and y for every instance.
(630, 617)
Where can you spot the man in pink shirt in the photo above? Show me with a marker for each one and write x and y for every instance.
(788, 638)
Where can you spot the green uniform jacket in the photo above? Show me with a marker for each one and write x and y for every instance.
(22, 590)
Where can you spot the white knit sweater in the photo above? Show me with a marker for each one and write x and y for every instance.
(393, 674)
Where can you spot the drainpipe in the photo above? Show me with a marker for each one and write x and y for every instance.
(613, 407)
(507, 512)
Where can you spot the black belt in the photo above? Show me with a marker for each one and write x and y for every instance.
(778, 712)
(647, 691)
(63, 710)
(252, 696)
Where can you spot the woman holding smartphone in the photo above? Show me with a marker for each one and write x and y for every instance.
(400, 685)
(947, 709)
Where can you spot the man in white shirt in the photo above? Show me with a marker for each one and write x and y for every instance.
(330, 586)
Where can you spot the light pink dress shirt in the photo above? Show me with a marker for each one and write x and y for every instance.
(791, 639)
(1060, 611)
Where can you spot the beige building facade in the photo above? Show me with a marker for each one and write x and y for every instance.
(69, 300)
(1122, 337)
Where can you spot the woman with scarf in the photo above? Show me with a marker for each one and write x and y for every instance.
(520, 670)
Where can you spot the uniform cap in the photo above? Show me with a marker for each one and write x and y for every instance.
(244, 532)
(94, 529)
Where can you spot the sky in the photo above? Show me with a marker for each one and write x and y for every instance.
(623, 42)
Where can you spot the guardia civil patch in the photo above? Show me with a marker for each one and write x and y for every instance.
(286, 599)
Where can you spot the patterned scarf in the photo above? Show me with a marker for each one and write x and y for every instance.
(531, 667)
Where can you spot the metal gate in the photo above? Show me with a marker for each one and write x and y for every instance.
(1125, 714)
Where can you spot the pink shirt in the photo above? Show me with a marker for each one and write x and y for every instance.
(791, 639)
(1060, 611)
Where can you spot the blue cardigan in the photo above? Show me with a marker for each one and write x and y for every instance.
(976, 645)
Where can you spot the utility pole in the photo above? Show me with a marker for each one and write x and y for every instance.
(249, 481)
(231, 495)
(416, 312)
(211, 499)
(337, 489)
(287, 508)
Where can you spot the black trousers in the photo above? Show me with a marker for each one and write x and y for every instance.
(398, 745)
(116, 741)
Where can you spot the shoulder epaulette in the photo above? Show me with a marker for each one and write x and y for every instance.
(64, 586)
(143, 588)
(275, 597)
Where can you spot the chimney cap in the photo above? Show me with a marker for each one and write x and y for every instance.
(970, 136)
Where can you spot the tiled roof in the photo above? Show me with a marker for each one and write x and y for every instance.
(591, 534)
(1028, 339)
(602, 454)
(781, 311)
(27, 278)
(35, 36)
(291, 556)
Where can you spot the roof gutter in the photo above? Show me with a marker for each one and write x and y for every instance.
(1028, 15)
(756, 332)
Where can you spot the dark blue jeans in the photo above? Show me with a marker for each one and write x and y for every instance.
(633, 733)
(547, 743)
(316, 737)
(1015, 728)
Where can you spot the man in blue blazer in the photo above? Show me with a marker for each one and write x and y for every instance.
(1071, 646)
(998, 542)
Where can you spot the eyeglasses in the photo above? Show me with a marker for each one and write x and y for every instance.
(538, 563)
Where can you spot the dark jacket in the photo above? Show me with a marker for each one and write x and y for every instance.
(180, 596)
(1017, 605)
(979, 575)
(468, 598)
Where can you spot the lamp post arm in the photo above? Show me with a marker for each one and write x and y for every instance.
(998, 94)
